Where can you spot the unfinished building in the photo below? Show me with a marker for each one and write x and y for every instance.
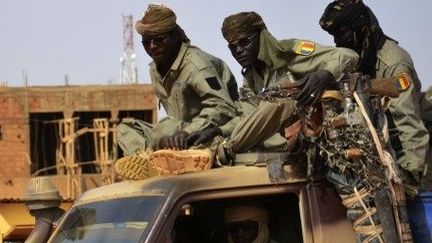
(65, 132)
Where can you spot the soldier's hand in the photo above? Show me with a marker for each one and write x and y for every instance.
(163, 143)
(177, 141)
(314, 85)
(202, 137)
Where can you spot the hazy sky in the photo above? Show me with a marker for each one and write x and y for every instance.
(83, 39)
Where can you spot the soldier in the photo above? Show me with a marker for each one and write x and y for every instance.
(266, 61)
(354, 26)
(190, 84)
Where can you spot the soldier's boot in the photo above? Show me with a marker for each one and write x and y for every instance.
(364, 216)
(135, 167)
(175, 162)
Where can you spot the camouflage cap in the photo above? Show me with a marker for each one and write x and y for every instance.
(341, 13)
(157, 20)
(241, 23)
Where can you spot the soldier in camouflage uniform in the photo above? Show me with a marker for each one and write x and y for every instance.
(266, 61)
(354, 26)
(195, 88)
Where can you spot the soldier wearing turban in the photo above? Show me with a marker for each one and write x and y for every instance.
(266, 61)
(354, 26)
(196, 89)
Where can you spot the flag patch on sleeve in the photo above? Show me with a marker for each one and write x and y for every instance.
(404, 81)
(305, 48)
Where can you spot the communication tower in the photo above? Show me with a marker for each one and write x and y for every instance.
(128, 73)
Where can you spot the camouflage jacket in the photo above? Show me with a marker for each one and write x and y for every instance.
(393, 61)
(195, 89)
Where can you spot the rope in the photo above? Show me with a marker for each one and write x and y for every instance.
(385, 157)
(375, 230)
(372, 231)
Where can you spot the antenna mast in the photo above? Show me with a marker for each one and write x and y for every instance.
(128, 73)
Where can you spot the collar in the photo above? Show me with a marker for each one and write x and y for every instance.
(176, 64)
(182, 52)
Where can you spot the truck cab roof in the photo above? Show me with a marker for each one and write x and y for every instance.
(176, 186)
(150, 210)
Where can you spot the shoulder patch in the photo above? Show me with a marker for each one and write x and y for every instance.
(404, 81)
(305, 48)
(213, 83)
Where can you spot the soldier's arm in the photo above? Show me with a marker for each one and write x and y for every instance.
(339, 60)
(335, 60)
(406, 114)
(217, 106)
(228, 127)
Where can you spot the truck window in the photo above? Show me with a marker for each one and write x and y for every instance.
(204, 220)
(116, 220)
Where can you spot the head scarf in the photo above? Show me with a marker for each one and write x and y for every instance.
(341, 13)
(159, 20)
(272, 52)
(355, 15)
(253, 213)
(243, 23)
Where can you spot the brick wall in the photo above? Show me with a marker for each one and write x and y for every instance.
(17, 103)
(14, 147)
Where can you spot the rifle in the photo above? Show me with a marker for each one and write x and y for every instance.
(289, 89)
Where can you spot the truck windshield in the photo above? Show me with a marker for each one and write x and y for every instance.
(117, 220)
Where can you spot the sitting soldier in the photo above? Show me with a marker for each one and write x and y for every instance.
(266, 62)
(196, 89)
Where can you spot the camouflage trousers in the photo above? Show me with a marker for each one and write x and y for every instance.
(262, 126)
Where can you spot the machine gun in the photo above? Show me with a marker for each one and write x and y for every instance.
(355, 141)
(271, 93)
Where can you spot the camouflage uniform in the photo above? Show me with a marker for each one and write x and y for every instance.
(194, 94)
(195, 88)
(393, 61)
(263, 120)
(381, 57)
(353, 25)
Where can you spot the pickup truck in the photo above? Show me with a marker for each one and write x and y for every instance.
(190, 208)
